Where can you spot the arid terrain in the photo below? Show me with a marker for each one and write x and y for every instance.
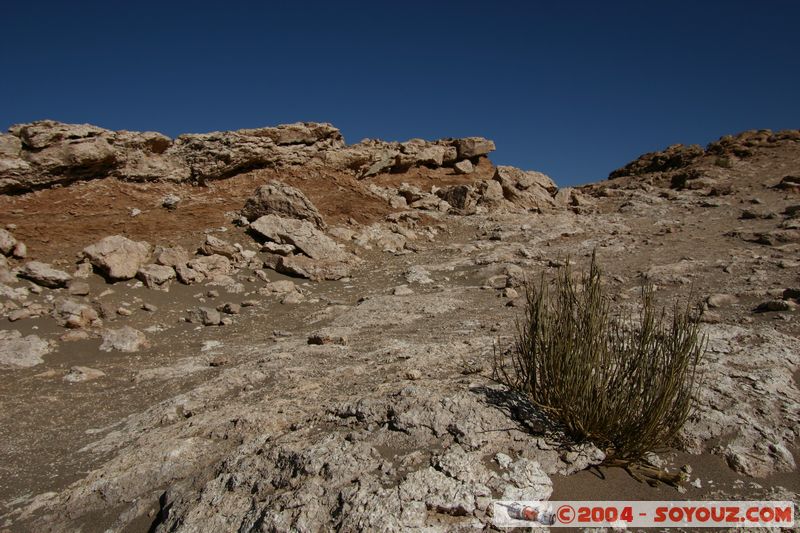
(273, 330)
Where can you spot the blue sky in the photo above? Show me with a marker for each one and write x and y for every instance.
(573, 89)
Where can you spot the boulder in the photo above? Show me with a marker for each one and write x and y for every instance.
(206, 316)
(187, 275)
(215, 245)
(315, 270)
(7, 242)
(302, 235)
(20, 250)
(212, 265)
(470, 147)
(44, 275)
(118, 257)
(464, 167)
(171, 256)
(17, 351)
(529, 190)
(124, 339)
(461, 197)
(490, 193)
(276, 198)
(154, 276)
(73, 314)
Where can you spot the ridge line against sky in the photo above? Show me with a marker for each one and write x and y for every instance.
(574, 90)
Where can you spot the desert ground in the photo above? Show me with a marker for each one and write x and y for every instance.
(273, 330)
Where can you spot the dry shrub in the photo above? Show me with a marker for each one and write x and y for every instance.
(624, 383)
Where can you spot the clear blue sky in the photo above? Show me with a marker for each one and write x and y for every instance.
(574, 89)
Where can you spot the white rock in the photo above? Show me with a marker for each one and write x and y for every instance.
(125, 339)
(17, 351)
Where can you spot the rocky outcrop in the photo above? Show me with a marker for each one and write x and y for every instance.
(526, 189)
(46, 153)
(679, 156)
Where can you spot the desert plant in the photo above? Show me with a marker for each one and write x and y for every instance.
(625, 383)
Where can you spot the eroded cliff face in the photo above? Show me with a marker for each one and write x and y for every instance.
(46, 153)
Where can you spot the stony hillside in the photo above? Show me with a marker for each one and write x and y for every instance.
(273, 330)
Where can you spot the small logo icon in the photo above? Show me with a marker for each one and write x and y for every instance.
(566, 514)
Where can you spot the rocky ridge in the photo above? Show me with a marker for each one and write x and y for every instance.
(46, 153)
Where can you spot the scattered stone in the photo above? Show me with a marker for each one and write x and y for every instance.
(125, 339)
(74, 335)
(79, 374)
(74, 315)
(78, 288)
(292, 298)
(230, 308)
(17, 351)
(721, 300)
(775, 306)
(499, 281)
(150, 308)
(170, 201)
(510, 292)
(83, 271)
(218, 360)
(418, 274)
(206, 316)
(321, 338)
(124, 311)
(413, 374)
(118, 257)
(402, 290)
(44, 275)
(280, 287)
